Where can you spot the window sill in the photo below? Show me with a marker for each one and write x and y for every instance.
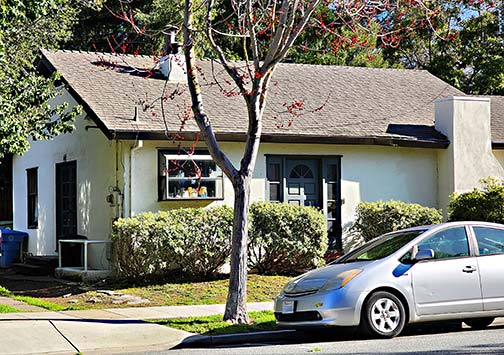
(185, 199)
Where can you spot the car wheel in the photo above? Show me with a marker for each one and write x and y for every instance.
(383, 315)
(479, 323)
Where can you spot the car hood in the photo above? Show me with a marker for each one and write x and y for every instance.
(314, 280)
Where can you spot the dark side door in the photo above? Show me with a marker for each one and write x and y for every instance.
(66, 199)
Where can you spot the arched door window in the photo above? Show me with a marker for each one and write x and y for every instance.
(301, 171)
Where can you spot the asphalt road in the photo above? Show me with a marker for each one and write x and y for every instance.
(430, 339)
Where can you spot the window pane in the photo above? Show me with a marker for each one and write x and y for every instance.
(332, 172)
(187, 188)
(490, 240)
(330, 191)
(331, 209)
(32, 198)
(301, 171)
(274, 172)
(449, 243)
(193, 168)
(274, 192)
(184, 176)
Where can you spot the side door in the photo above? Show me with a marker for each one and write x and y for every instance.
(66, 198)
(448, 283)
(491, 266)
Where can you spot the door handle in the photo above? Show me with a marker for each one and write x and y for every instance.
(469, 269)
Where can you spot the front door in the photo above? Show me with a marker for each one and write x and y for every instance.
(302, 180)
(449, 283)
(66, 199)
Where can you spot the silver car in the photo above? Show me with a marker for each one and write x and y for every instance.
(442, 272)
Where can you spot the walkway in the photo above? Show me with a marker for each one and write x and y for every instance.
(108, 331)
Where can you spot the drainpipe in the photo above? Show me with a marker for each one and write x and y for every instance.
(136, 147)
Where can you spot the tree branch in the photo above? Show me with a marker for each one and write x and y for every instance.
(197, 101)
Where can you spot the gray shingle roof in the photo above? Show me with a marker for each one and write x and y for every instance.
(363, 105)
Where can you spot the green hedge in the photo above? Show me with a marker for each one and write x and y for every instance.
(286, 238)
(376, 218)
(197, 242)
(194, 241)
(480, 204)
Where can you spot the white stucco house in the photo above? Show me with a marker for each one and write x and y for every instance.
(383, 134)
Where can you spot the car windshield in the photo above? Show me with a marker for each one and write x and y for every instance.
(381, 247)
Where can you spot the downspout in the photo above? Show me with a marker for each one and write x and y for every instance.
(136, 147)
(119, 203)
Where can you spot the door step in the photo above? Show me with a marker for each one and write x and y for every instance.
(37, 265)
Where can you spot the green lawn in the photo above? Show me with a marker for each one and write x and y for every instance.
(7, 309)
(260, 289)
(214, 325)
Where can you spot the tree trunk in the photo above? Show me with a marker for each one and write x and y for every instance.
(236, 305)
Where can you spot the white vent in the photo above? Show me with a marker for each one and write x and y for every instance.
(172, 66)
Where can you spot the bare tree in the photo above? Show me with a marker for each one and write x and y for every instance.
(268, 29)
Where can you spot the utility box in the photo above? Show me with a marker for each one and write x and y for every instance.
(10, 246)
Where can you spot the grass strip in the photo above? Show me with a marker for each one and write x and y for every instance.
(214, 325)
(36, 302)
(8, 309)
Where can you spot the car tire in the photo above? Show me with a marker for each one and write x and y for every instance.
(383, 315)
(479, 323)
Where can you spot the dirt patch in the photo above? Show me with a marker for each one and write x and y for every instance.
(116, 294)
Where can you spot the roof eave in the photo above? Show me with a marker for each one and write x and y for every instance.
(47, 68)
(291, 138)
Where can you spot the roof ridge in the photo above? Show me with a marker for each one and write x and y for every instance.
(79, 51)
(145, 56)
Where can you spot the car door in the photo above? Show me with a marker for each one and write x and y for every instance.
(491, 266)
(448, 283)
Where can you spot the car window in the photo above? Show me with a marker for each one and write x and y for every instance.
(490, 240)
(381, 247)
(448, 243)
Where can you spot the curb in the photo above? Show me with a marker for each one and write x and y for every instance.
(240, 338)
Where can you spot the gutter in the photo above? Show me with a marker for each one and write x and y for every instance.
(291, 138)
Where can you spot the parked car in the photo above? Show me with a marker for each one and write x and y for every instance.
(450, 271)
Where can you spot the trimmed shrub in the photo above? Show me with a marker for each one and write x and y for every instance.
(376, 218)
(285, 238)
(194, 241)
(480, 204)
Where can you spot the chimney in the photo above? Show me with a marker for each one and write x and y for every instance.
(172, 64)
(466, 122)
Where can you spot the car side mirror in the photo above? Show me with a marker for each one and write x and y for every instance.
(424, 254)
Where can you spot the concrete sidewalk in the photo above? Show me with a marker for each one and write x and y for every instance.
(108, 331)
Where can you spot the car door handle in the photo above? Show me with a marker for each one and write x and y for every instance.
(469, 269)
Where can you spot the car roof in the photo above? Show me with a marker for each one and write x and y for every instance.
(456, 223)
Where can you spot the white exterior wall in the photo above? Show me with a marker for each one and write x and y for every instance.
(369, 173)
(95, 156)
(469, 158)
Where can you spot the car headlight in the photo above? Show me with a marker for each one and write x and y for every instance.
(341, 279)
(289, 287)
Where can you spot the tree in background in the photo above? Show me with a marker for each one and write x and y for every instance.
(27, 108)
(467, 50)
(99, 28)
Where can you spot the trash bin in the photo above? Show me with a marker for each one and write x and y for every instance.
(10, 246)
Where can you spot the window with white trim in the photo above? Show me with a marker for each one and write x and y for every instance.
(189, 176)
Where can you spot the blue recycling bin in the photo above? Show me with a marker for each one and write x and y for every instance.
(10, 247)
